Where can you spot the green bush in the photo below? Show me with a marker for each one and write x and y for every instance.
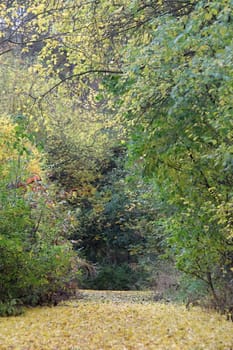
(116, 277)
(11, 308)
(34, 277)
(52, 273)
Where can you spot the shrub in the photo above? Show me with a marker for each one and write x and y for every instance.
(116, 277)
(37, 262)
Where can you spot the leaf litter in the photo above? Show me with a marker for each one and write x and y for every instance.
(104, 320)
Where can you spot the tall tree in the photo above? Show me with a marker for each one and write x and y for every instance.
(176, 96)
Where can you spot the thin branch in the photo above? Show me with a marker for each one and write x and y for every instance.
(3, 52)
(78, 75)
(36, 228)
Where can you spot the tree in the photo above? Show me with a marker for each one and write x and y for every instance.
(166, 71)
(175, 95)
(56, 112)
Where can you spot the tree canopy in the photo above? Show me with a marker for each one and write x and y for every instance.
(129, 104)
(177, 99)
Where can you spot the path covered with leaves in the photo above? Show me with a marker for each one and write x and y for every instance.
(118, 321)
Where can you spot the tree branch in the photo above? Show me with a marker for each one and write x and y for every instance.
(6, 51)
(78, 75)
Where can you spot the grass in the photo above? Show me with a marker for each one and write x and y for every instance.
(116, 320)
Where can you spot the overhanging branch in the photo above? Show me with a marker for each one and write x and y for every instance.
(6, 51)
(78, 75)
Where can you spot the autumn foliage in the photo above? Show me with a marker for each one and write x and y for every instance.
(127, 105)
(35, 267)
(116, 321)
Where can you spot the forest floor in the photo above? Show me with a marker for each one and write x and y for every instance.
(104, 320)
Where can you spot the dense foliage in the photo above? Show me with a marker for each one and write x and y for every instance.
(36, 260)
(131, 104)
(177, 97)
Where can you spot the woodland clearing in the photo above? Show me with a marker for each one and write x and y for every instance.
(101, 320)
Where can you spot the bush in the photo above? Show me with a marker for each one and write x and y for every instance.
(37, 262)
(51, 274)
(11, 308)
(36, 277)
(116, 277)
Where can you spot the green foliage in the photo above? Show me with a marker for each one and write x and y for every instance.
(117, 277)
(51, 273)
(36, 260)
(179, 107)
(115, 223)
(191, 289)
(10, 308)
(163, 73)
